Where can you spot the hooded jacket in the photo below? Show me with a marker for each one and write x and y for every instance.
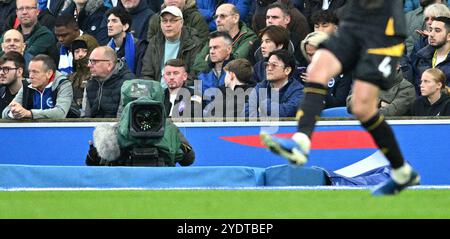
(42, 104)
(81, 73)
(191, 18)
(422, 106)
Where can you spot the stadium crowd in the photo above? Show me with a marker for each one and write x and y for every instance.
(223, 59)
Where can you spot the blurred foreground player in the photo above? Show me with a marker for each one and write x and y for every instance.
(369, 42)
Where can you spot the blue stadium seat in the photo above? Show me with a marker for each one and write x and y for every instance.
(336, 112)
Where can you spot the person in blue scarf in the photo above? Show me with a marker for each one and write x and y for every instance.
(122, 41)
(66, 31)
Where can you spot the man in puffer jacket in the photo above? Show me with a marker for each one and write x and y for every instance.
(102, 94)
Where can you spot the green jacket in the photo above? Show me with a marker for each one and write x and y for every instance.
(399, 98)
(40, 41)
(241, 48)
(154, 55)
(191, 16)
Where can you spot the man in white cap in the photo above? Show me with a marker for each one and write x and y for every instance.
(173, 41)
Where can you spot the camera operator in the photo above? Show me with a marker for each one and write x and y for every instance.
(144, 136)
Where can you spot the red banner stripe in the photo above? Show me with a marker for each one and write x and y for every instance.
(341, 139)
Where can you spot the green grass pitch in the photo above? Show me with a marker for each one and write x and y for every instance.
(223, 204)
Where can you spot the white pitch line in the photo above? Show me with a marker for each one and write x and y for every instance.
(261, 188)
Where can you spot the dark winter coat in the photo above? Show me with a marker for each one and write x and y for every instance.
(103, 97)
(424, 61)
(422, 106)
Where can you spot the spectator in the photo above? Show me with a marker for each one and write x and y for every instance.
(312, 6)
(140, 14)
(415, 23)
(38, 39)
(102, 93)
(234, 95)
(13, 41)
(228, 20)
(66, 31)
(81, 49)
(122, 41)
(173, 42)
(48, 96)
(192, 19)
(435, 55)
(325, 21)
(298, 24)
(45, 18)
(12, 66)
(272, 38)
(397, 100)
(434, 100)
(220, 47)
(179, 100)
(278, 15)
(408, 63)
(280, 90)
(208, 9)
(91, 18)
(338, 86)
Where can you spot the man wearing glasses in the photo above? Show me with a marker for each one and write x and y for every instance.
(47, 96)
(228, 20)
(192, 19)
(174, 41)
(102, 93)
(38, 39)
(280, 94)
(11, 77)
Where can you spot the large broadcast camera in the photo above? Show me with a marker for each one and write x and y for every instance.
(143, 136)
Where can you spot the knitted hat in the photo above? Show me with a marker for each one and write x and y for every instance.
(76, 44)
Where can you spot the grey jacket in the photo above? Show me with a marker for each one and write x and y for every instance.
(399, 98)
(62, 105)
